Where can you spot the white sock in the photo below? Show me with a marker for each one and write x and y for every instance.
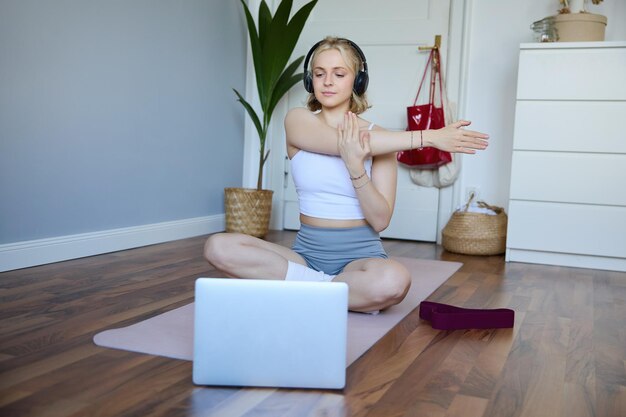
(298, 272)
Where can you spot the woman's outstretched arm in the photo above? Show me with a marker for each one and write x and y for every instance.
(307, 132)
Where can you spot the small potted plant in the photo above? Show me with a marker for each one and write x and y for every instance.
(575, 6)
(575, 24)
(248, 210)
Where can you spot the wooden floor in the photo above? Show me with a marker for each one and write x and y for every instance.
(565, 357)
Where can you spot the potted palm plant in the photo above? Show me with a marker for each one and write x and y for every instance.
(248, 210)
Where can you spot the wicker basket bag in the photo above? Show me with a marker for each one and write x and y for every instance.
(476, 233)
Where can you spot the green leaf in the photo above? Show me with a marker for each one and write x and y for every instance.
(282, 13)
(288, 40)
(265, 20)
(253, 115)
(283, 85)
(274, 62)
(257, 54)
(294, 29)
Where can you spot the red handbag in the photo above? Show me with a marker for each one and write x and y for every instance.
(427, 116)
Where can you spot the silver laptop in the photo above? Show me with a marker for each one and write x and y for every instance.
(267, 333)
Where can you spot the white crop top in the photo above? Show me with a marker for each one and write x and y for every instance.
(324, 187)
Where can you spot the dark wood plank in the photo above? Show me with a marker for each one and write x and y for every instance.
(566, 355)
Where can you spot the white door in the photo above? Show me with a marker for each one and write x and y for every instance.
(389, 33)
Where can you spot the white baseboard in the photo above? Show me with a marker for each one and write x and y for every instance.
(43, 251)
(566, 259)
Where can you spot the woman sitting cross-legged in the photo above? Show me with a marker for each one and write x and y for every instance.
(345, 172)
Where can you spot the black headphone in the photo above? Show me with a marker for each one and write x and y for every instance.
(360, 81)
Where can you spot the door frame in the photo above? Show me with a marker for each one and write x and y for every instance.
(457, 61)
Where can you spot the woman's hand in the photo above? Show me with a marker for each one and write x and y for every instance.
(353, 145)
(454, 138)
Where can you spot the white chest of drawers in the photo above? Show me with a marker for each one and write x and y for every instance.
(568, 181)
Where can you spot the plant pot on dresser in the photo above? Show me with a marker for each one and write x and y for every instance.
(568, 181)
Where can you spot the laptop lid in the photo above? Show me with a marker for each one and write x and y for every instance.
(268, 333)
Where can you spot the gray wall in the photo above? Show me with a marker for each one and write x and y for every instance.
(117, 113)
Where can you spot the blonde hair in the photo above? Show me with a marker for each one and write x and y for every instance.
(358, 104)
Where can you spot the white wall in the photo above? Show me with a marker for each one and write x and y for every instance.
(495, 30)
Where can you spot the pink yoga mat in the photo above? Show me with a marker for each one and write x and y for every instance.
(171, 334)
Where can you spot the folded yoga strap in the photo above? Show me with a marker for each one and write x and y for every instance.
(447, 317)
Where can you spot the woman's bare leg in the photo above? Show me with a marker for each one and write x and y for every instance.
(375, 283)
(244, 256)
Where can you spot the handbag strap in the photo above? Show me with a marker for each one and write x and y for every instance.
(430, 57)
(434, 60)
(436, 72)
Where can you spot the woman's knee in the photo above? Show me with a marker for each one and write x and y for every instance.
(392, 284)
(220, 247)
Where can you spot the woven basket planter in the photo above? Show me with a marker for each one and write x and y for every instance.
(248, 210)
(476, 233)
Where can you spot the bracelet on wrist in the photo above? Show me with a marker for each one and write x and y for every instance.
(421, 141)
(356, 187)
(359, 177)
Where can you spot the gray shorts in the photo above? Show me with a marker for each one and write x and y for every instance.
(329, 249)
